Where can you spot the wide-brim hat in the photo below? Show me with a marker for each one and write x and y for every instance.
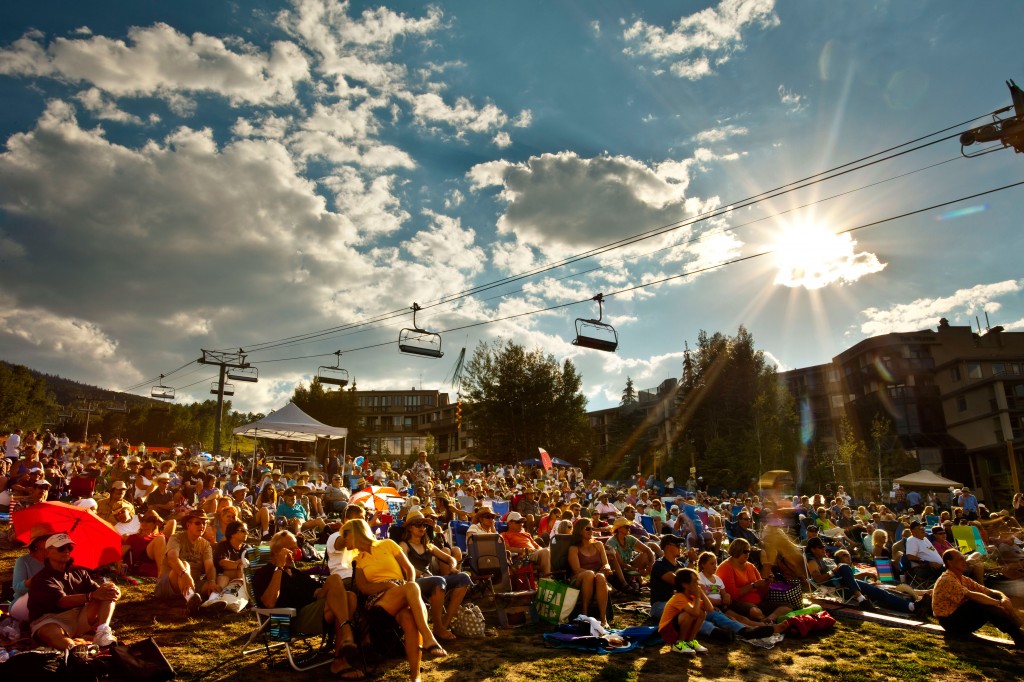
(418, 516)
(621, 522)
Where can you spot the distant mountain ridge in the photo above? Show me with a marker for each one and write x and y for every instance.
(67, 391)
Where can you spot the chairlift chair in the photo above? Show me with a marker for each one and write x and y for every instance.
(161, 392)
(248, 374)
(229, 389)
(416, 341)
(118, 408)
(333, 376)
(596, 334)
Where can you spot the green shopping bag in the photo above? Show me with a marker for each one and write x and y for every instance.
(555, 601)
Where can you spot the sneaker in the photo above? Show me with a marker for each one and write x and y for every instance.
(214, 605)
(193, 603)
(104, 637)
(696, 646)
(682, 648)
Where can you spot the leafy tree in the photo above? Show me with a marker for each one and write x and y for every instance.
(852, 454)
(628, 393)
(516, 401)
(25, 401)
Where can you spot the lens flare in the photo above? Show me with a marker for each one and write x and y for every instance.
(961, 212)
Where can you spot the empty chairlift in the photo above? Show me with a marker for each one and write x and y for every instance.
(333, 376)
(595, 333)
(248, 374)
(161, 392)
(229, 389)
(416, 341)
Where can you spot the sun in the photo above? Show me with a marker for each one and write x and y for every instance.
(810, 254)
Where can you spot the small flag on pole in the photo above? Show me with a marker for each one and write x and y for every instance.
(545, 458)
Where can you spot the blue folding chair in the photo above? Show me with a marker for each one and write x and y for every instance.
(500, 507)
(648, 523)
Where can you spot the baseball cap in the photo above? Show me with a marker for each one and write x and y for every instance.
(59, 540)
(667, 540)
(514, 516)
(119, 485)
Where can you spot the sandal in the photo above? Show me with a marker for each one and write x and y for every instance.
(348, 648)
(434, 651)
(350, 673)
(445, 635)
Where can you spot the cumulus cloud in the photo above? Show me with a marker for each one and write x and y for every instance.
(697, 42)
(502, 140)
(102, 108)
(158, 60)
(563, 200)
(924, 313)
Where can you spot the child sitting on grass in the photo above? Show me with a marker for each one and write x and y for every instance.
(684, 614)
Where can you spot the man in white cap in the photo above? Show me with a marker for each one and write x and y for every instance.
(64, 602)
(521, 544)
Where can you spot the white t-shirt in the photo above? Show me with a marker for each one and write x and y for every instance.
(339, 561)
(923, 549)
(12, 445)
(713, 587)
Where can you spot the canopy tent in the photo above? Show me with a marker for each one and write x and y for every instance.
(290, 423)
(926, 479)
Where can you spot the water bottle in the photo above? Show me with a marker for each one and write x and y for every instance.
(4, 655)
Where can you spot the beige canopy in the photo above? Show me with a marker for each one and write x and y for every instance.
(926, 479)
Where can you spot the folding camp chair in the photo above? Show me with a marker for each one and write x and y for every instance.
(883, 567)
(488, 565)
(648, 523)
(968, 540)
(560, 543)
(274, 627)
(500, 507)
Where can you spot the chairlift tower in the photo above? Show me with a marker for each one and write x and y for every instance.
(241, 371)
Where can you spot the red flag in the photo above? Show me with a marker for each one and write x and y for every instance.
(545, 458)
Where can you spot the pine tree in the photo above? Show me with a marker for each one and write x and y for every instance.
(628, 393)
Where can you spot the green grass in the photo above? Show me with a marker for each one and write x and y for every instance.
(202, 649)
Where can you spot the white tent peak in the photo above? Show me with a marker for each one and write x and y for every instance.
(926, 479)
(290, 423)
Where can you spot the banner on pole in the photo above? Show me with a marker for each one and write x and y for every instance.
(545, 458)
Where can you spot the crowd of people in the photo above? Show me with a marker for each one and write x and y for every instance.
(710, 565)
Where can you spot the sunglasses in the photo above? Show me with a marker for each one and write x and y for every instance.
(65, 549)
(744, 552)
(588, 529)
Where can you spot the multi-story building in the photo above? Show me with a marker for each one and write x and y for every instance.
(657, 405)
(955, 399)
(398, 422)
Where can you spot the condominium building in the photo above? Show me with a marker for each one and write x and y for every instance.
(955, 398)
(398, 422)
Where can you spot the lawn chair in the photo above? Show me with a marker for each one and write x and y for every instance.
(500, 507)
(886, 575)
(559, 546)
(968, 540)
(274, 627)
(648, 523)
(458, 532)
(488, 565)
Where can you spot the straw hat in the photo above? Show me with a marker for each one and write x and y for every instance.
(620, 522)
(418, 516)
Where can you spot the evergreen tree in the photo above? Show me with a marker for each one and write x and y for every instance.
(628, 393)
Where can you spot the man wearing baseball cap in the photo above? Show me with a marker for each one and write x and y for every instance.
(521, 544)
(112, 509)
(64, 602)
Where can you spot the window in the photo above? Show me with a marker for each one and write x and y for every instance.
(973, 370)
(837, 401)
(961, 403)
(998, 368)
(954, 374)
(833, 375)
(409, 422)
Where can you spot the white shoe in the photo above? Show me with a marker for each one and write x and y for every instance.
(103, 637)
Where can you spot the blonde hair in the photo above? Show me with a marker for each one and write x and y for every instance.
(359, 529)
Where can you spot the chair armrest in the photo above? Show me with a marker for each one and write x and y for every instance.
(277, 612)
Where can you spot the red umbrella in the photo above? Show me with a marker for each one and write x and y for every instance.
(97, 543)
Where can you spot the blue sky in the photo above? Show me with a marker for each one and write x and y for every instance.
(178, 176)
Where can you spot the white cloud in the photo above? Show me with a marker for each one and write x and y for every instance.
(524, 119)
(691, 44)
(502, 140)
(158, 60)
(429, 109)
(924, 313)
(720, 133)
(101, 107)
(595, 27)
(793, 102)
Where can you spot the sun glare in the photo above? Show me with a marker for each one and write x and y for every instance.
(810, 255)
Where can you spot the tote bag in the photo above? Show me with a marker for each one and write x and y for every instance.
(555, 601)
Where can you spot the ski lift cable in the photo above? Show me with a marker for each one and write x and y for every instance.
(828, 174)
